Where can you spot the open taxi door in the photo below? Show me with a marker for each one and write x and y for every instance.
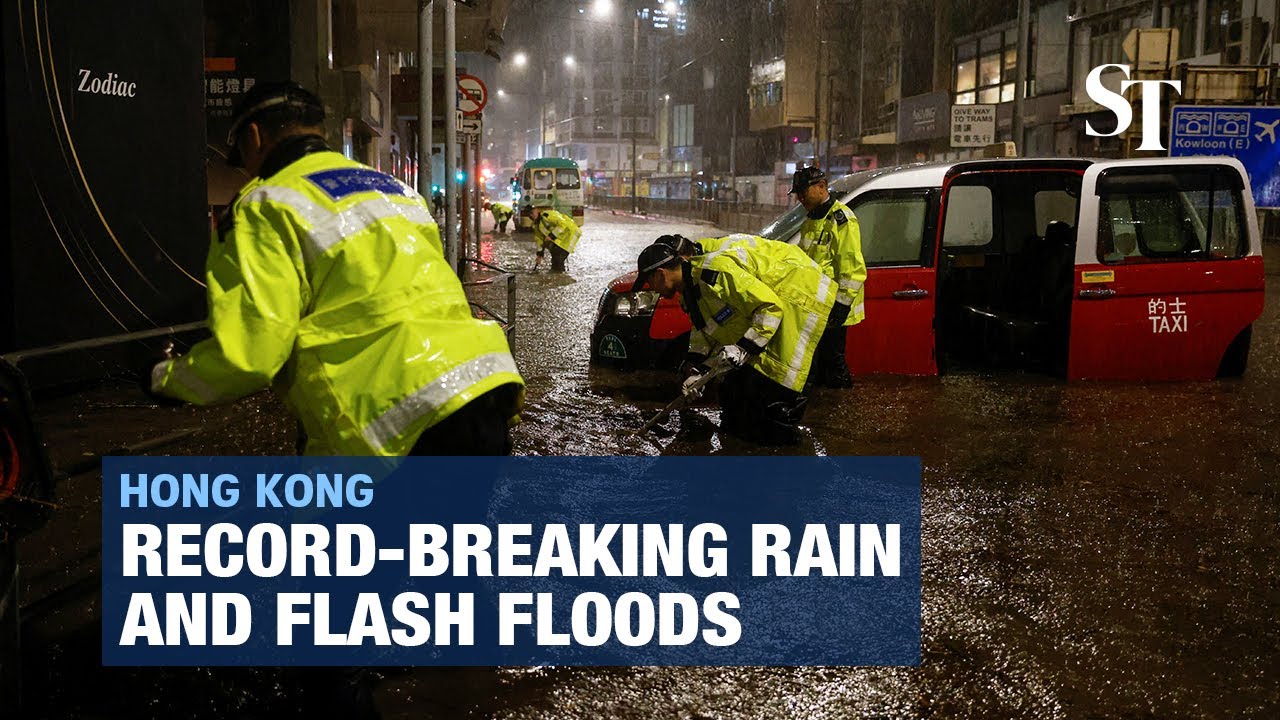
(1168, 272)
(898, 228)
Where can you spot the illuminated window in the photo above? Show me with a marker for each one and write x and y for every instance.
(985, 69)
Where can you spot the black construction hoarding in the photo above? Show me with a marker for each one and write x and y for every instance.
(105, 137)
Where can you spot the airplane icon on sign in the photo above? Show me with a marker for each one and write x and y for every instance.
(1267, 129)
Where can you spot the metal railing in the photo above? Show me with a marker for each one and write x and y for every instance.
(735, 216)
(507, 277)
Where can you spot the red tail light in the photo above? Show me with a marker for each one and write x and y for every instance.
(26, 479)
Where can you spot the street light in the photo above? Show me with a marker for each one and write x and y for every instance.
(602, 8)
(521, 59)
(569, 61)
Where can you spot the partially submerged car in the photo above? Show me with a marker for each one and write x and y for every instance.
(1091, 269)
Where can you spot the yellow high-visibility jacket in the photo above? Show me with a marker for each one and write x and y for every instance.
(767, 297)
(556, 227)
(331, 280)
(500, 211)
(830, 236)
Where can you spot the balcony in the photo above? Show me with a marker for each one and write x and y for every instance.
(1218, 84)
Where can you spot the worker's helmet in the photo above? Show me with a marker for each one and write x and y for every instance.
(288, 101)
(657, 255)
(804, 177)
(681, 244)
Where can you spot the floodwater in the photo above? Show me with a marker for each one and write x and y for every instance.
(1090, 549)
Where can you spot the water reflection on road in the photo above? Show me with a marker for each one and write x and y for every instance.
(1089, 548)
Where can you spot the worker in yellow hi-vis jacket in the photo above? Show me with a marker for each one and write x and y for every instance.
(554, 229)
(830, 235)
(757, 305)
(327, 278)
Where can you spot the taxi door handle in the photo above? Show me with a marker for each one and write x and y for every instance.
(913, 294)
(1096, 293)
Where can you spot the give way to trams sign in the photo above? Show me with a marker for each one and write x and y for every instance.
(472, 95)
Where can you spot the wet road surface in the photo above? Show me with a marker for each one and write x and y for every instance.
(1090, 549)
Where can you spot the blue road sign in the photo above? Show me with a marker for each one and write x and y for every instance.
(1245, 133)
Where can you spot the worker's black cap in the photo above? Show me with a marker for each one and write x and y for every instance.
(264, 97)
(651, 258)
(681, 244)
(805, 177)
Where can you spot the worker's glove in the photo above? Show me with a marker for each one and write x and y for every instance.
(734, 356)
(839, 313)
(692, 386)
(693, 364)
(154, 372)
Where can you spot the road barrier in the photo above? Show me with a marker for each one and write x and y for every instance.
(502, 275)
(732, 216)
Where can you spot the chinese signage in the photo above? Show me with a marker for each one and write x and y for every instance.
(1167, 316)
(222, 93)
(973, 125)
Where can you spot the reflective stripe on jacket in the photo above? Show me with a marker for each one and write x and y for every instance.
(765, 296)
(835, 243)
(554, 226)
(331, 280)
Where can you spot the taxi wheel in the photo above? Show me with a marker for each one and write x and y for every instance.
(1236, 359)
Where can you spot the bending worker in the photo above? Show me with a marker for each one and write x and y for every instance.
(328, 277)
(554, 228)
(502, 213)
(830, 235)
(756, 305)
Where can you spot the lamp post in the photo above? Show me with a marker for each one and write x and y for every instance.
(425, 131)
(635, 43)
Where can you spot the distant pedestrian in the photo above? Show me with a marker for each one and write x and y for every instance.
(328, 281)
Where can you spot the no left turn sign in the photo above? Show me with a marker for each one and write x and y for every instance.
(472, 94)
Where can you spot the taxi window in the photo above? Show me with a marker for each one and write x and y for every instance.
(1055, 206)
(543, 179)
(1170, 214)
(892, 228)
(968, 221)
(568, 180)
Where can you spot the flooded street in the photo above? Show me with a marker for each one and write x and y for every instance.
(1090, 549)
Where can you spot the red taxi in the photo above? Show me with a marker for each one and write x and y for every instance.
(1115, 269)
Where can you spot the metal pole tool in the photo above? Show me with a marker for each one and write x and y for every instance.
(693, 392)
